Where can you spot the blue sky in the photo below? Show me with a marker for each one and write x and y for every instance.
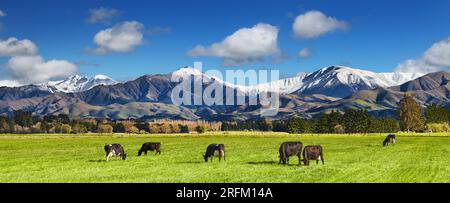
(379, 35)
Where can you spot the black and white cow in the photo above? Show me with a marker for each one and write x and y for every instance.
(288, 149)
(312, 152)
(214, 150)
(389, 139)
(115, 150)
(150, 146)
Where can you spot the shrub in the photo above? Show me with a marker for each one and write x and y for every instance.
(339, 129)
(200, 129)
(105, 128)
(183, 128)
(438, 127)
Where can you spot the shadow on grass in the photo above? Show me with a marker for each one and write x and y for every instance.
(97, 161)
(192, 162)
(263, 163)
(374, 145)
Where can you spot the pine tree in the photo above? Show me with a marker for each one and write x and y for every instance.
(437, 114)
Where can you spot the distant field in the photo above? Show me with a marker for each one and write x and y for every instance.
(251, 157)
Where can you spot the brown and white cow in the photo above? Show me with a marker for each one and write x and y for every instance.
(312, 152)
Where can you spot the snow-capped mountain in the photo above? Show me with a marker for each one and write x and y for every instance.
(286, 85)
(149, 96)
(338, 81)
(10, 83)
(78, 83)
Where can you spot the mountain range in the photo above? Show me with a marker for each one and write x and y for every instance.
(149, 96)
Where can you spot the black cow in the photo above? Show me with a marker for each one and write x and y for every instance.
(288, 149)
(312, 152)
(214, 150)
(389, 139)
(115, 150)
(150, 146)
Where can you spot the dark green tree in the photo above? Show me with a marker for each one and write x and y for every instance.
(356, 121)
(22, 118)
(327, 122)
(437, 114)
(296, 125)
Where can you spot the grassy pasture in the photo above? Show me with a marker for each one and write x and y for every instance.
(251, 157)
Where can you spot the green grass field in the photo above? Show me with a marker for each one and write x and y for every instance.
(251, 157)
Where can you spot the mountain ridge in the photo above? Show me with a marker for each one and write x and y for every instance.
(149, 96)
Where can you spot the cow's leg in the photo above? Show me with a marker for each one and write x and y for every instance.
(299, 159)
(317, 161)
(109, 156)
(145, 152)
(306, 159)
(221, 155)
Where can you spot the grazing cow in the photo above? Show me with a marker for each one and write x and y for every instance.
(214, 150)
(115, 150)
(389, 139)
(312, 152)
(150, 146)
(288, 149)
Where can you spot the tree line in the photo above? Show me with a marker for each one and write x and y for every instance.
(23, 123)
(351, 121)
(411, 117)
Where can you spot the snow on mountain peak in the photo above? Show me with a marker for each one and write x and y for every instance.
(101, 77)
(188, 71)
(77, 83)
(327, 77)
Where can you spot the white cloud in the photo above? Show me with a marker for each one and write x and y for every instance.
(33, 69)
(123, 37)
(14, 47)
(246, 45)
(314, 24)
(102, 15)
(304, 53)
(2, 14)
(438, 54)
(436, 58)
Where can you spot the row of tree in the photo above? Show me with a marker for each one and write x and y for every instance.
(410, 118)
(23, 122)
(351, 121)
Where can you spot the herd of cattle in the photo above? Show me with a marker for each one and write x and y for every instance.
(286, 150)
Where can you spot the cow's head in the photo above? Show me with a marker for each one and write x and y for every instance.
(124, 156)
(205, 157)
